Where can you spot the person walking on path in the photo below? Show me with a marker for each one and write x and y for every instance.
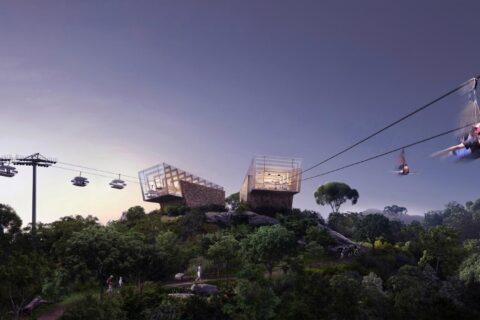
(110, 284)
(199, 273)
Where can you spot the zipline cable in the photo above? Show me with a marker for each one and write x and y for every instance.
(389, 152)
(98, 170)
(390, 125)
(90, 173)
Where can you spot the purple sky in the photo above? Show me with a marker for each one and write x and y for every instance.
(205, 85)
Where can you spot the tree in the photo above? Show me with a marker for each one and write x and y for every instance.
(135, 213)
(372, 227)
(21, 277)
(410, 294)
(269, 245)
(346, 293)
(10, 224)
(252, 301)
(344, 223)
(395, 210)
(433, 218)
(223, 252)
(96, 251)
(233, 201)
(469, 270)
(52, 237)
(441, 247)
(335, 194)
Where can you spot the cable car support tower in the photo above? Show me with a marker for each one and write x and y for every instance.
(35, 160)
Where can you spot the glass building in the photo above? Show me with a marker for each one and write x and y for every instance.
(271, 182)
(165, 184)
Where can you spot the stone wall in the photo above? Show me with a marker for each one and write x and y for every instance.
(196, 195)
(270, 199)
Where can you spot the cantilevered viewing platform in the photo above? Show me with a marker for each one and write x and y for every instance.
(271, 182)
(168, 185)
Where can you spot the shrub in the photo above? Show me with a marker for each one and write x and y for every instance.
(175, 210)
(92, 308)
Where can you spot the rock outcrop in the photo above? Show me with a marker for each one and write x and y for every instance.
(232, 217)
(203, 288)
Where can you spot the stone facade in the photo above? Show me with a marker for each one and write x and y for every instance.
(194, 196)
(270, 199)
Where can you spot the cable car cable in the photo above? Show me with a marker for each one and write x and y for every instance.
(90, 173)
(461, 86)
(98, 170)
(388, 152)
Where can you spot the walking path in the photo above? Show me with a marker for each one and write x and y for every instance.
(53, 314)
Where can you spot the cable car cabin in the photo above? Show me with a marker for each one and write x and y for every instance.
(7, 171)
(118, 184)
(80, 181)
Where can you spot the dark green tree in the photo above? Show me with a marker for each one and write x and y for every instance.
(335, 194)
(373, 227)
(469, 270)
(135, 213)
(252, 301)
(269, 245)
(395, 210)
(344, 223)
(96, 252)
(10, 224)
(441, 249)
(224, 252)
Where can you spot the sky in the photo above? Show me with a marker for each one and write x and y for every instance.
(206, 85)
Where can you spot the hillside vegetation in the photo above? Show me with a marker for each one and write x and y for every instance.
(294, 269)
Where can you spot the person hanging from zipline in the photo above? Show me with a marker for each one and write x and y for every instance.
(403, 168)
(469, 148)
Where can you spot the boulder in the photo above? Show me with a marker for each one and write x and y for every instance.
(179, 276)
(204, 288)
(34, 304)
(231, 217)
(219, 217)
(183, 277)
(261, 220)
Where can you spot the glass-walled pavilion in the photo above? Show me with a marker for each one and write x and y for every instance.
(273, 174)
(164, 180)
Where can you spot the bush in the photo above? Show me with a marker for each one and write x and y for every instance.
(175, 210)
(314, 250)
(57, 285)
(92, 308)
(320, 236)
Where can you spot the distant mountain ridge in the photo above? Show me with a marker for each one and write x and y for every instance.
(405, 218)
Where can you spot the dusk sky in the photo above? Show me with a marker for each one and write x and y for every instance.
(206, 85)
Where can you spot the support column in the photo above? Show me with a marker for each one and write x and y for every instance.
(34, 203)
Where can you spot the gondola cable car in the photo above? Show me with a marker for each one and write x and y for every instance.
(7, 170)
(118, 183)
(80, 181)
